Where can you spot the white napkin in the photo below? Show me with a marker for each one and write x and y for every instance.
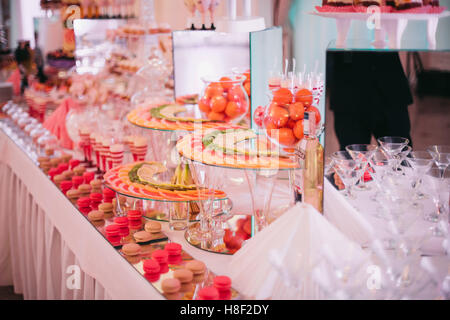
(282, 261)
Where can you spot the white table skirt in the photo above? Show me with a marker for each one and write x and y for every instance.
(42, 234)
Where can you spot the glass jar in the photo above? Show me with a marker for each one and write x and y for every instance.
(282, 119)
(224, 99)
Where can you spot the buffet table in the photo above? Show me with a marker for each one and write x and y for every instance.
(47, 234)
(43, 236)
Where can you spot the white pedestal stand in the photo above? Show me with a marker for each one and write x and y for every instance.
(391, 25)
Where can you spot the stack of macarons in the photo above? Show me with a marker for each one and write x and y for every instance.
(85, 190)
(171, 288)
(88, 176)
(84, 205)
(151, 270)
(73, 195)
(77, 181)
(122, 222)
(174, 253)
(96, 186)
(96, 215)
(113, 236)
(96, 200)
(65, 186)
(223, 286)
(108, 195)
(134, 219)
(107, 209)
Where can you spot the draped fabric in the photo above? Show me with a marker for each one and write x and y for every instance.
(43, 238)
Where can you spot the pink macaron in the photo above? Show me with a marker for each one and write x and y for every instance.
(112, 230)
(134, 215)
(173, 249)
(222, 283)
(84, 202)
(208, 293)
(151, 266)
(160, 256)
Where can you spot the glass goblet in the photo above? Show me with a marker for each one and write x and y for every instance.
(441, 156)
(362, 154)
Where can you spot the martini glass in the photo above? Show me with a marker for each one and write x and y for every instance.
(421, 162)
(348, 170)
(439, 186)
(380, 165)
(399, 158)
(393, 146)
(441, 156)
(362, 153)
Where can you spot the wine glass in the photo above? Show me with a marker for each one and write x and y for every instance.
(347, 169)
(362, 154)
(439, 186)
(441, 156)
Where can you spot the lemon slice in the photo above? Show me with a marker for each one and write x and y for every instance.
(148, 171)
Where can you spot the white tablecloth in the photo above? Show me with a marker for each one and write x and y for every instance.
(42, 234)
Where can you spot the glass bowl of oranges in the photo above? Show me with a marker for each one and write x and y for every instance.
(282, 118)
(224, 98)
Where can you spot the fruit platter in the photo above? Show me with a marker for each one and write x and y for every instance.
(236, 148)
(147, 180)
(169, 117)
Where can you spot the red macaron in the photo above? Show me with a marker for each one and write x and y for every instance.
(222, 283)
(73, 163)
(88, 176)
(160, 256)
(151, 266)
(77, 181)
(173, 249)
(96, 197)
(112, 230)
(84, 202)
(208, 293)
(134, 215)
(65, 186)
(122, 222)
(52, 172)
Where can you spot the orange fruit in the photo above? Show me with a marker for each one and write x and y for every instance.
(218, 103)
(213, 89)
(279, 116)
(216, 116)
(203, 105)
(291, 124)
(286, 137)
(226, 83)
(247, 87)
(235, 93)
(298, 130)
(304, 96)
(271, 129)
(232, 109)
(316, 111)
(282, 96)
(296, 111)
